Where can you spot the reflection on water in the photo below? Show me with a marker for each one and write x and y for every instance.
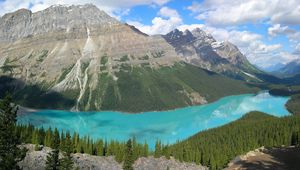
(168, 126)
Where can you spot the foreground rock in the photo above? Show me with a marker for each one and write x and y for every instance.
(282, 158)
(35, 160)
(163, 164)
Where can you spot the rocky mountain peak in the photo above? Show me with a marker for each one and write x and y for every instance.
(187, 33)
(73, 49)
(200, 48)
(55, 19)
(202, 35)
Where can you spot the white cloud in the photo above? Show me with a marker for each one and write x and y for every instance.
(277, 29)
(167, 20)
(168, 12)
(110, 6)
(297, 50)
(190, 27)
(222, 12)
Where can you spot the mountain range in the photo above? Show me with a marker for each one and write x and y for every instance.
(80, 58)
(290, 69)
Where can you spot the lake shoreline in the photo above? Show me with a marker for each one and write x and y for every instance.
(24, 110)
(168, 126)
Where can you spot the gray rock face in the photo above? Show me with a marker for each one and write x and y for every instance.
(67, 49)
(23, 23)
(163, 164)
(35, 160)
(201, 49)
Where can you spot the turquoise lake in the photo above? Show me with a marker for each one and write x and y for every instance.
(168, 126)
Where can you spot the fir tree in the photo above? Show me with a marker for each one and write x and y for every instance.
(157, 152)
(145, 150)
(66, 162)
(10, 154)
(48, 137)
(128, 157)
(52, 162)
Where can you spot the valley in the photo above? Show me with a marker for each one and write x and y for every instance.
(80, 88)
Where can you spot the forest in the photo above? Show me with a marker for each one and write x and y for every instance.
(216, 147)
(213, 148)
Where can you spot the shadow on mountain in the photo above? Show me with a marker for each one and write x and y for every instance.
(32, 95)
(286, 158)
(295, 80)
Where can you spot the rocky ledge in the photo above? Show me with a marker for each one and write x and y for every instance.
(35, 160)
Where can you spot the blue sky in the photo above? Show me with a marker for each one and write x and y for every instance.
(265, 31)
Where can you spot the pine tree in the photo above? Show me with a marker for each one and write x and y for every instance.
(157, 152)
(128, 158)
(52, 162)
(75, 140)
(66, 162)
(99, 147)
(48, 137)
(62, 141)
(10, 154)
(145, 150)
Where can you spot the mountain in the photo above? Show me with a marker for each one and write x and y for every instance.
(290, 69)
(201, 49)
(272, 68)
(80, 58)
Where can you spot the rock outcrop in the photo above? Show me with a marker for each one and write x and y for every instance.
(201, 49)
(35, 160)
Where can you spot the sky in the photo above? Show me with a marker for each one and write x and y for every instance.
(266, 31)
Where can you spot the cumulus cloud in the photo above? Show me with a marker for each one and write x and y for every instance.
(167, 20)
(297, 50)
(221, 12)
(111, 6)
(277, 29)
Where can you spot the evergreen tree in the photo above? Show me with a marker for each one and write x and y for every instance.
(48, 137)
(157, 152)
(75, 140)
(52, 162)
(10, 154)
(66, 162)
(62, 141)
(128, 157)
(100, 147)
(145, 150)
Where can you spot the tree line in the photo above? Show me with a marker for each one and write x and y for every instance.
(67, 143)
(216, 147)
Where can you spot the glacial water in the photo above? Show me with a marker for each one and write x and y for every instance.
(168, 126)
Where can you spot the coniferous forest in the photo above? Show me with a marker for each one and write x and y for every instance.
(216, 147)
(213, 148)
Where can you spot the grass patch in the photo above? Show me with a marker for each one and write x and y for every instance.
(65, 72)
(124, 58)
(104, 59)
(42, 56)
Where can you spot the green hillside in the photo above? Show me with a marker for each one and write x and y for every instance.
(216, 147)
(142, 88)
(139, 89)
